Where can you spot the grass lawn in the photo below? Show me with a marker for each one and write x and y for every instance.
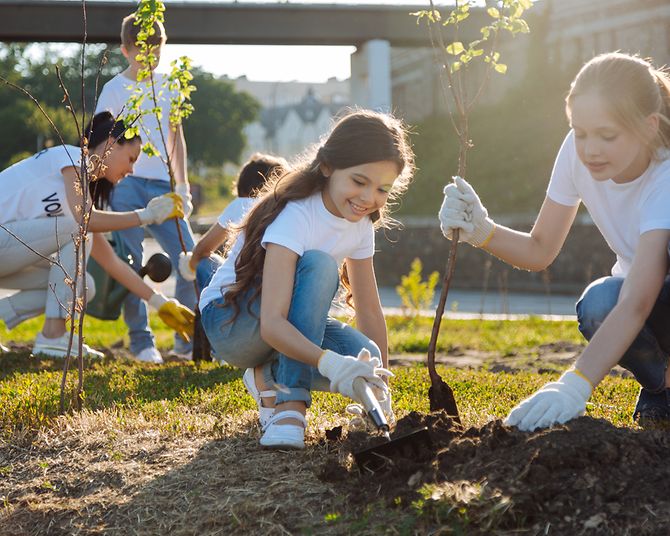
(190, 428)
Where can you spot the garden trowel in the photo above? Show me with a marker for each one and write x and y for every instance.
(378, 456)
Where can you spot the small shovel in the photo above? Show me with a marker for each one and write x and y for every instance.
(378, 456)
(441, 396)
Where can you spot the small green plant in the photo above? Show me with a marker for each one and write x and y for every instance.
(415, 293)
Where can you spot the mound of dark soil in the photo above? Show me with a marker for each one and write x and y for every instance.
(584, 477)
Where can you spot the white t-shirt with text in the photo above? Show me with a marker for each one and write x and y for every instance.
(114, 98)
(622, 212)
(35, 187)
(301, 226)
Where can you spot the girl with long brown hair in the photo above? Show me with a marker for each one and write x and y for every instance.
(616, 160)
(266, 309)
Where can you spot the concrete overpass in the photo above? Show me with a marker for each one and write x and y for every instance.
(373, 29)
(220, 22)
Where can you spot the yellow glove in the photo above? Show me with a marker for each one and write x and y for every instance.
(161, 208)
(175, 315)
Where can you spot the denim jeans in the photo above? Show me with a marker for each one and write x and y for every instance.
(205, 270)
(130, 194)
(239, 342)
(647, 356)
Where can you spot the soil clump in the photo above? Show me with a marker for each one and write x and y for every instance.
(584, 477)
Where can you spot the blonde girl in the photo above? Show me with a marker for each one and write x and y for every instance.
(615, 161)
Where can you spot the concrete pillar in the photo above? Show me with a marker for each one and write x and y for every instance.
(371, 75)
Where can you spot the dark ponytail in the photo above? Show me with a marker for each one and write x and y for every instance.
(98, 131)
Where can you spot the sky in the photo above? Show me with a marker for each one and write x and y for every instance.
(276, 63)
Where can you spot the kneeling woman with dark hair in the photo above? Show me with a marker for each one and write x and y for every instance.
(40, 209)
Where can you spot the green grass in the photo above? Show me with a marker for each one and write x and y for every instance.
(178, 401)
(30, 389)
(105, 333)
(506, 337)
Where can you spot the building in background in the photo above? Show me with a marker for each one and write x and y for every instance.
(574, 31)
(295, 115)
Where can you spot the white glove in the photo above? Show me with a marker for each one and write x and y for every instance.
(185, 269)
(555, 403)
(160, 209)
(183, 190)
(462, 209)
(341, 370)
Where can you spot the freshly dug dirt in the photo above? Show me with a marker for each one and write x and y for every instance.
(586, 477)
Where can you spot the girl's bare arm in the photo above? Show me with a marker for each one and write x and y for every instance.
(105, 256)
(277, 290)
(535, 250)
(636, 300)
(369, 315)
(101, 220)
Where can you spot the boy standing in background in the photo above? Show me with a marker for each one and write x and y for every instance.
(150, 179)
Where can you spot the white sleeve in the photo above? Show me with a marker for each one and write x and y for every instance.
(108, 101)
(366, 247)
(233, 213)
(562, 187)
(654, 210)
(289, 229)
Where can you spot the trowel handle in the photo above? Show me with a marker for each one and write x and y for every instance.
(367, 397)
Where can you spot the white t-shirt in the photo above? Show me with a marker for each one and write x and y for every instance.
(236, 210)
(622, 212)
(114, 97)
(303, 225)
(35, 188)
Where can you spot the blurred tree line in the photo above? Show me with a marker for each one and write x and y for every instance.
(214, 133)
(515, 139)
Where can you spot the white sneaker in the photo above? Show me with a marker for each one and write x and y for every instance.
(149, 355)
(57, 347)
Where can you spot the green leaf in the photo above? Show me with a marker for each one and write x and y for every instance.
(493, 12)
(150, 150)
(455, 48)
(500, 68)
(520, 26)
(453, 67)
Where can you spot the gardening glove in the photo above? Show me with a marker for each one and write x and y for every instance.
(341, 370)
(185, 269)
(462, 209)
(555, 403)
(174, 314)
(183, 190)
(161, 208)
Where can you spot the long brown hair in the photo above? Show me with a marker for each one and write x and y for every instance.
(633, 90)
(360, 137)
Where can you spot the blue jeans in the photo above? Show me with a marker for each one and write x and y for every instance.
(239, 342)
(130, 194)
(205, 271)
(647, 356)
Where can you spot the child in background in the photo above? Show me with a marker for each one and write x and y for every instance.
(266, 308)
(201, 263)
(150, 179)
(38, 201)
(616, 161)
